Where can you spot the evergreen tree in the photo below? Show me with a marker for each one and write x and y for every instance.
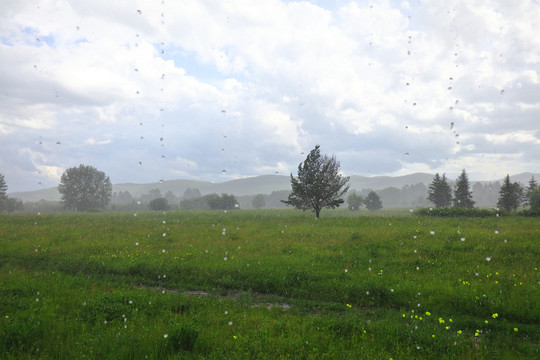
(318, 184)
(529, 191)
(462, 194)
(439, 192)
(3, 195)
(373, 201)
(510, 195)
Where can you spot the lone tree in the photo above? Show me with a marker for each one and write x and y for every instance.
(84, 188)
(462, 194)
(355, 201)
(373, 201)
(439, 192)
(510, 195)
(318, 185)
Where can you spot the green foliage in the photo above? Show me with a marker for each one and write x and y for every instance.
(373, 201)
(83, 188)
(457, 212)
(510, 195)
(318, 185)
(160, 203)
(258, 201)
(462, 194)
(439, 192)
(355, 201)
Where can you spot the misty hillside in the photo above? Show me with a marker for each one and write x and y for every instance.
(264, 184)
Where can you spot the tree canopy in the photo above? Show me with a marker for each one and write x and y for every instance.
(318, 184)
(84, 188)
(373, 201)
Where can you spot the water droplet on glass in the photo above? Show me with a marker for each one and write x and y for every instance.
(139, 12)
(78, 28)
(161, 181)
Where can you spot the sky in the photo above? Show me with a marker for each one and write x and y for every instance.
(218, 90)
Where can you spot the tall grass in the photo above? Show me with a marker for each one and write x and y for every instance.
(268, 284)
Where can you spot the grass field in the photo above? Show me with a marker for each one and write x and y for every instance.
(267, 285)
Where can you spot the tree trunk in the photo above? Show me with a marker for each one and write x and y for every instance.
(317, 212)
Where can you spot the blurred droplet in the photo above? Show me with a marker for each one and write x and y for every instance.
(502, 91)
(223, 171)
(161, 181)
(139, 12)
(137, 70)
(78, 28)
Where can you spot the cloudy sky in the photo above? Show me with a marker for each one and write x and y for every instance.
(216, 90)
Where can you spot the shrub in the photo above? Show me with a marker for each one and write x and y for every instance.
(457, 212)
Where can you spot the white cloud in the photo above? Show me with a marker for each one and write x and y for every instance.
(247, 88)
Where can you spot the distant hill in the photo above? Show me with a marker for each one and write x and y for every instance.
(264, 184)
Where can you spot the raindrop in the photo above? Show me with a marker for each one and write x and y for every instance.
(462, 239)
(502, 91)
(140, 163)
(449, 88)
(223, 171)
(161, 181)
(496, 231)
(164, 234)
(414, 104)
(78, 28)
(452, 125)
(488, 258)
(406, 154)
(408, 52)
(137, 70)
(139, 12)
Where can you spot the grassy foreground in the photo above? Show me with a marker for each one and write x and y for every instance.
(267, 285)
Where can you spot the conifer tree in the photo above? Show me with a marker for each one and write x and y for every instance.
(462, 193)
(439, 192)
(529, 191)
(510, 195)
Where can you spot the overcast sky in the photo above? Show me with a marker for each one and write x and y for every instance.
(216, 90)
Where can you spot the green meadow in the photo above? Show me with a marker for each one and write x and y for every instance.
(268, 284)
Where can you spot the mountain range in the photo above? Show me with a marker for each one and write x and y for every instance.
(264, 184)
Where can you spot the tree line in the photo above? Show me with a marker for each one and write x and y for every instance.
(317, 185)
(511, 194)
